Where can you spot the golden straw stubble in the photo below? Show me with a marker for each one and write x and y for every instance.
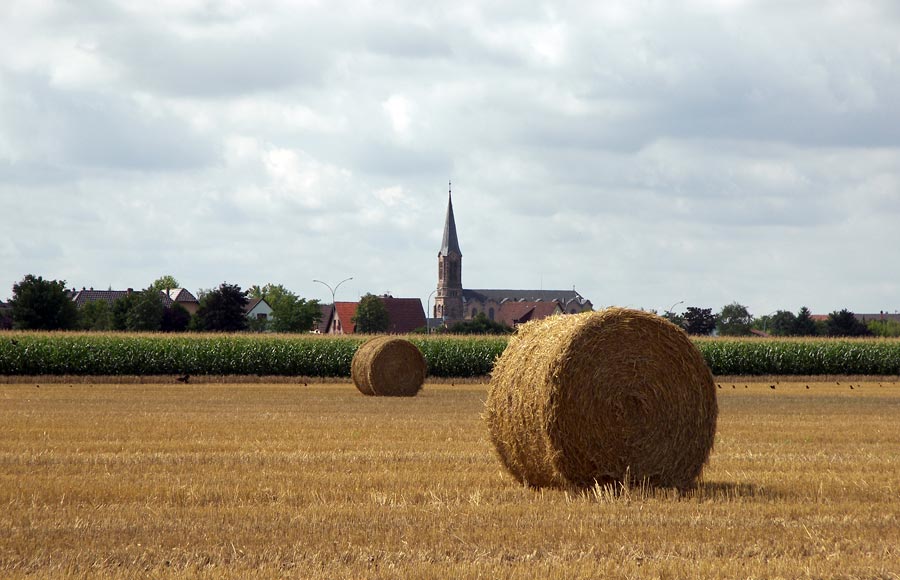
(388, 366)
(602, 397)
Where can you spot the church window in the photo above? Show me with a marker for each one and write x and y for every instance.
(491, 313)
(474, 312)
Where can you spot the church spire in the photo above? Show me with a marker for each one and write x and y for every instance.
(450, 242)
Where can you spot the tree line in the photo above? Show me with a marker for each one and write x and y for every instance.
(735, 320)
(39, 304)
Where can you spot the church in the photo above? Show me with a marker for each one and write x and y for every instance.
(453, 303)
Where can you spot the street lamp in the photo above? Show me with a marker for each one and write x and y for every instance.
(428, 306)
(672, 307)
(333, 290)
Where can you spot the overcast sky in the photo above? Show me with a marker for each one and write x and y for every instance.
(644, 152)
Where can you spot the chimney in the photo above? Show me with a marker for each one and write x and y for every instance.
(130, 290)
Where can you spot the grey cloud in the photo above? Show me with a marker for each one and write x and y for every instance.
(95, 129)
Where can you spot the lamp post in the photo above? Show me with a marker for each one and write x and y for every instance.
(669, 311)
(428, 313)
(333, 290)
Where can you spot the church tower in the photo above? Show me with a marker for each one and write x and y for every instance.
(448, 304)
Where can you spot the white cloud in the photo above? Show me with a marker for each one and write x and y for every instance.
(648, 152)
(399, 111)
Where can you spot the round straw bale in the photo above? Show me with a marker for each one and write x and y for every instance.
(602, 397)
(388, 366)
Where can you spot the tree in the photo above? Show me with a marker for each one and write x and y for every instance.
(146, 313)
(734, 320)
(222, 309)
(884, 328)
(676, 319)
(700, 321)
(175, 318)
(39, 304)
(96, 315)
(804, 325)
(480, 324)
(164, 283)
(783, 323)
(290, 313)
(371, 315)
(6, 321)
(845, 323)
(120, 309)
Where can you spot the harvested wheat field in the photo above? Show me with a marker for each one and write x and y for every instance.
(278, 480)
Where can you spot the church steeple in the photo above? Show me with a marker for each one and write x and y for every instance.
(450, 242)
(448, 304)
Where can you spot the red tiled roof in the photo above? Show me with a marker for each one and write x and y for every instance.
(345, 313)
(404, 314)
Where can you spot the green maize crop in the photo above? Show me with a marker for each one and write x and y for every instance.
(96, 354)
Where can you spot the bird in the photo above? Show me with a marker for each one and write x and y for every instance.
(772, 387)
(37, 386)
(807, 386)
(718, 385)
(851, 387)
(732, 386)
(185, 379)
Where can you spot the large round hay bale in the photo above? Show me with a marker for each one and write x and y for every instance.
(388, 366)
(602, 397)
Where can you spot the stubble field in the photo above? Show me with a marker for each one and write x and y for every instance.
(281, 480)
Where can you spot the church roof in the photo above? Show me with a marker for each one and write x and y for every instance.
(561, 296)
(450, 242)
(513, 313)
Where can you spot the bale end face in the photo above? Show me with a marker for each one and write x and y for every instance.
(388, 366)
(602, 397)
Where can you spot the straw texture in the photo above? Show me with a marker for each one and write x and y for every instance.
(388, 366)
(602, 397)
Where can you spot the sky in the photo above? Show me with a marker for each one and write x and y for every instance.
(651, 154)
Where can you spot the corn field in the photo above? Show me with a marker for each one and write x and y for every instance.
(120, 354)
(111, 354)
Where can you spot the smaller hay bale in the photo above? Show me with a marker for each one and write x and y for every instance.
(388, 366)
(600, 398)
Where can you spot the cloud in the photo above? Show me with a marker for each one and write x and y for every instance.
(94, 130)
(708, 151)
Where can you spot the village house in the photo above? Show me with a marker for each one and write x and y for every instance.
(258, 309)
(405, 315)
(169, 297)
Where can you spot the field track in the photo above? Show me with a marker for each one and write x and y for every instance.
(111, 480)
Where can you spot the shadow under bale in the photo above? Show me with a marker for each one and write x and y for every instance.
(388, 366)
(602, 397)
